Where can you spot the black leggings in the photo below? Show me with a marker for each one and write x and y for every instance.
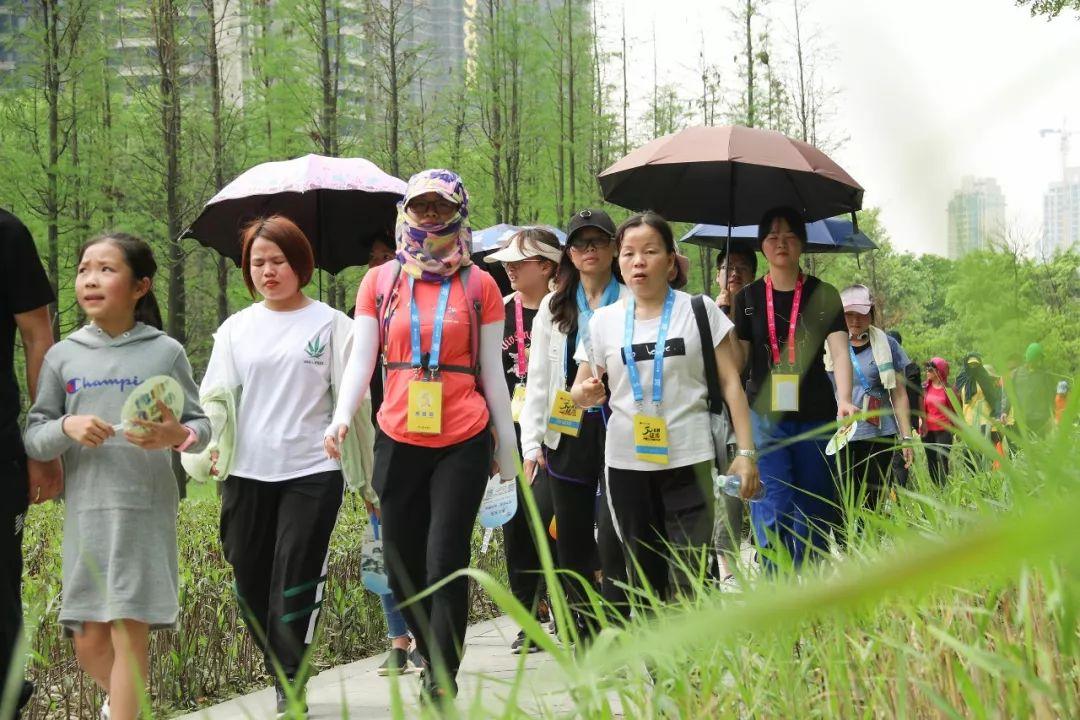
(429, 500)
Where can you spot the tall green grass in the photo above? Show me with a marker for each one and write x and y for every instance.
(959, 600)
(210, 657)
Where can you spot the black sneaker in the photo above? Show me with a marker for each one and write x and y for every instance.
(396, 663)
(284, 709)
(432, 694)
(523, 644)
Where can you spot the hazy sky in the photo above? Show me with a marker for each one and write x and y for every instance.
(929, 91)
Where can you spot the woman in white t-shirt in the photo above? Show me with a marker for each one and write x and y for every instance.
(280, 501)
(659, 449)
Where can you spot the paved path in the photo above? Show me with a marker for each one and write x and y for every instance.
(486, 673)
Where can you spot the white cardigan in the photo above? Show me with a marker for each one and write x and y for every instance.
(547, 365)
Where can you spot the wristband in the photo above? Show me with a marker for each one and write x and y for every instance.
(191, 438)
(750, 453)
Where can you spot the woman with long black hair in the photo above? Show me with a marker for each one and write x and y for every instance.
(569, 447)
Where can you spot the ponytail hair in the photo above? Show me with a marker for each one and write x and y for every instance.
(140, 258)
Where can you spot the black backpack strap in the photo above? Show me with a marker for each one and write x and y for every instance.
(708, 354)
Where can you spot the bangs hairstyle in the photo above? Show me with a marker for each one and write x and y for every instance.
(284, 233)
(794, 220)
(749, 255)
(140, 259)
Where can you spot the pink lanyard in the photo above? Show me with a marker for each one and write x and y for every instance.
(770, 316)
(519, 336)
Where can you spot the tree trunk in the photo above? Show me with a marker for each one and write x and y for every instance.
(52, 171)
(625, 89)
(217, 148)
(571, 100)
(165, 18)
(750, 119)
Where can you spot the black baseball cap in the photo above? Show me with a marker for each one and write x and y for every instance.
(589, 218)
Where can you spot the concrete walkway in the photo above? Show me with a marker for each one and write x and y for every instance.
(356, 691)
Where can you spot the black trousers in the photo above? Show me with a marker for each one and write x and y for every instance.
(866, 472)
(938, 444)
(276, 536)
(586, 542)
(13, 506)
(522, 557)
(665, 519)
(429, 500)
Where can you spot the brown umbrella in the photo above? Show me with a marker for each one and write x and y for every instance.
(730, 175)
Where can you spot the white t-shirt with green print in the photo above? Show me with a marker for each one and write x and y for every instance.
(282, 360)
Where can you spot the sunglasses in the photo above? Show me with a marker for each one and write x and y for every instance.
(582, 244)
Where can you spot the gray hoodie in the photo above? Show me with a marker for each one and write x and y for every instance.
(121, 501)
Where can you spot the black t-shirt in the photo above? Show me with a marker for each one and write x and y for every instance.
(509, 343)
(820, 314)
(25, 288)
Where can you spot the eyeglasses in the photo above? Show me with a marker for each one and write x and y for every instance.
(736, 269)
(442, 207)
(598, 242)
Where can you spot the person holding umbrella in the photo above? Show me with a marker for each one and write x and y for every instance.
(659, 450)
(783, 322)
(735, 269)
(438, 323)
(278, 363)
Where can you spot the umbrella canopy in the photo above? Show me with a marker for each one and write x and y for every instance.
(495, 237)
(729, 175)
(341, 204)
(833, 235)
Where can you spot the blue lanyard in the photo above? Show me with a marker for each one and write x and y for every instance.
(436, 331)
(585, 313)
(858, 371)
(658, 353)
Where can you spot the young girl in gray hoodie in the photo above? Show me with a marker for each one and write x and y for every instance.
(120, 577)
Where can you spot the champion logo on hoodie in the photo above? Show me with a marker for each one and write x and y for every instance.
(123, 384)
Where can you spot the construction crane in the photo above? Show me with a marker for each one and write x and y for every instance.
(1065, 134)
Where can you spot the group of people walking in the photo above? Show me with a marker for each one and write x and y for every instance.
(594, 374)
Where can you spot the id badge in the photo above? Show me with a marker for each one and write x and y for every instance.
(785, 393)
(872, 404)
(425, 407)
(650, 439)
(517, 402)
(565, 415)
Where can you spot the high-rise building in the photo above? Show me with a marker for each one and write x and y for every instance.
(976, 216)
(438, 31)
(1061, 213)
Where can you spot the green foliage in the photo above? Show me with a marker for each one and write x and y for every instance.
(1050, 8)
(210, 656)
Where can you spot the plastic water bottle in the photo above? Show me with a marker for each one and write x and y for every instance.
(731, 484)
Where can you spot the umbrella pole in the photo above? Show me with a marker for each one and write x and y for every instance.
(319, 230)
(731, 219)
